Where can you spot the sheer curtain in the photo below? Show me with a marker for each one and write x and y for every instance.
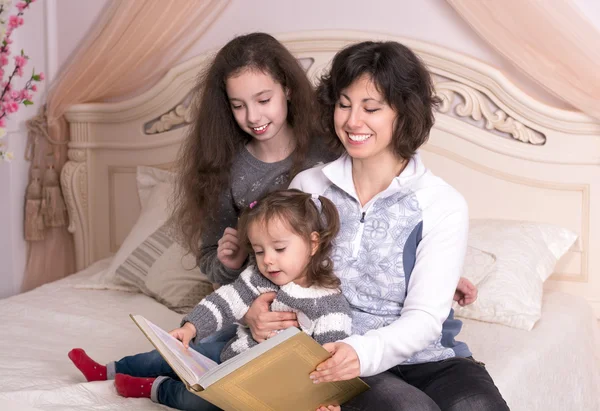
(133, 44)
(551, 41)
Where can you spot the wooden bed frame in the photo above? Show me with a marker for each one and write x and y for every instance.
(511, 156)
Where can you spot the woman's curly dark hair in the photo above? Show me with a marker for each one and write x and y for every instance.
(399, 75)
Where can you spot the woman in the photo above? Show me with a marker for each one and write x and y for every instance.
(402, 242)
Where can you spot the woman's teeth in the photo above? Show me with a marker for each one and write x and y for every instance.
(358, 137)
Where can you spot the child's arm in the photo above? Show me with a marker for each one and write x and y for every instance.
(209, 262)
(336, 323)
(228, 304)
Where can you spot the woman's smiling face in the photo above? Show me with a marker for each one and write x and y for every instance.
(364, 121)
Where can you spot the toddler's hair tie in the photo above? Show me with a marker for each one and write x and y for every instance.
(252, 204)
(317, 201)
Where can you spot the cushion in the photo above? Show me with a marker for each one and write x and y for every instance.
(524, 255)
(160, 268)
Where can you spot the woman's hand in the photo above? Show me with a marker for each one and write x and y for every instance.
(262, 322)
(343, 364)
(184, 334)
(466, 292)
(229, 250)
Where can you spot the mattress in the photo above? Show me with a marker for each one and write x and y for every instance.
(553, 367)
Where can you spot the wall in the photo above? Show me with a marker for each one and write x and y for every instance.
(49, 48)
(31, 37)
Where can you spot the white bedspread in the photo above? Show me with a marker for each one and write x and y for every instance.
(553, 367)
(40, 327)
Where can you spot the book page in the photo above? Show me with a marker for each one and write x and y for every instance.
(187, 363)
(197, 363)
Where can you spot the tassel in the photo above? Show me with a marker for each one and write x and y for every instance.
(53, 205)
(34, 221)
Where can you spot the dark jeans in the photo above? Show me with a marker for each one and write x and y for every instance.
(455, 384)
(168, 388)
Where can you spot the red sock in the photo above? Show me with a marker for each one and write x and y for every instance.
(90, 368)
(136, 387)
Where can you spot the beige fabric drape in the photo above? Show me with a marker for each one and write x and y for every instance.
(551, 41)
(133, 44)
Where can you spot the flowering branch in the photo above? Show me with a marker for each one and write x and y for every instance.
(11, 98)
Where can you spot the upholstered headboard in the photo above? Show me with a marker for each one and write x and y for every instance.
(511, 156)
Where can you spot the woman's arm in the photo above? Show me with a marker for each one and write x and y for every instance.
(431, 288)
(262, 321)
(228, 304)
(432, 284)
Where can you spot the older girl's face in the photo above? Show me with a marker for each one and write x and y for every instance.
(259, 104)
(364, 121)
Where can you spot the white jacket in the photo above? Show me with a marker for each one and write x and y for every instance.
(399, 259)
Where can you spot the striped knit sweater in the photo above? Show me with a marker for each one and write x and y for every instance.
(323, 313)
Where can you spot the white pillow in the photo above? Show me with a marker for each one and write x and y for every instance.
(525, 254)
(478, 264)
(155, 188)
(148, 177)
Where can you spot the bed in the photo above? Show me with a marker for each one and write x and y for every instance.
(512, 157)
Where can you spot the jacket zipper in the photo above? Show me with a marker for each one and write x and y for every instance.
(361, 228)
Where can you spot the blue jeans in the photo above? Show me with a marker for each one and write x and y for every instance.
(168, 388)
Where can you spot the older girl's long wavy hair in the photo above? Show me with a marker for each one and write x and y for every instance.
(214, 138)
(303, 215)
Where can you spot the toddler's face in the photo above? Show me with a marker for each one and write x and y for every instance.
(281, 255)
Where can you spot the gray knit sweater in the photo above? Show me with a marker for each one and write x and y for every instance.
(250, 180)
(323, 313)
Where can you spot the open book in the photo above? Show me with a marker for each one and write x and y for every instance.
(272, 375)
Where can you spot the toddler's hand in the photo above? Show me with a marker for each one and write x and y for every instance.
(184, 334)
(329, 408)
(229, 251)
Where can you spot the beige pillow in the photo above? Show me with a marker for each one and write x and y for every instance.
(160, 268)
(525, 254)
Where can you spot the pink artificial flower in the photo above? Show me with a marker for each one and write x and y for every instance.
(3, 122)
(3, 60)
(15, 21)
(14, 94)
(33, 87)
(41, 75)
(20, 61)
(21, 6)
(25, 95)
(11, 106)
